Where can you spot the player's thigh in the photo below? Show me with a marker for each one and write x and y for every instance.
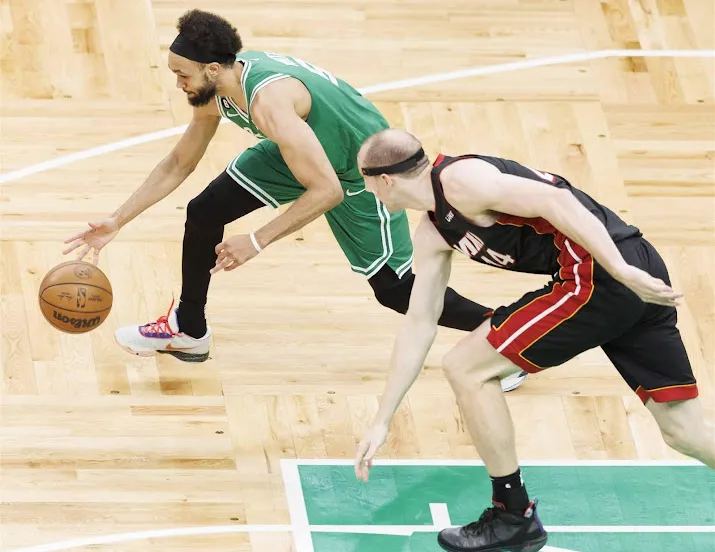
(220, 203)
(262, 171)
(473, 356)
(552, 325)
(652, 358)
(369, 235)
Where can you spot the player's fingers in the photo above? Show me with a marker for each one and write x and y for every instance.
(95, 257)
(372, 451)
(360, 455)
(83, 252)
(77, 236)
(220, 247)
(360, 460)
(74, 245)
(220, 265)
(666, 300)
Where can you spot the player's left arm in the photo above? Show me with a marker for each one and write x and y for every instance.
(414, 339)
(278, 111)
(486, 188)
(433, 258)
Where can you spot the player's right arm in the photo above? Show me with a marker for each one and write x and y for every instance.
(419, 328)
(168, 175)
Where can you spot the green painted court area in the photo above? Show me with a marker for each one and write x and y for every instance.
(585, 507)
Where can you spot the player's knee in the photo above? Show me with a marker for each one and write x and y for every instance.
(453, 369)
(393, 300)
(198, 213)
(392, 292)
(461, 367)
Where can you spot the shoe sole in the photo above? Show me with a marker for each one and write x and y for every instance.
(521, 379)
(181, 355)
(531, 546)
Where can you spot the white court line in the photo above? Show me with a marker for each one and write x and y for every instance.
(155, 534)
(440, 516)
(392, 530)
(394, 85)
(297, 507)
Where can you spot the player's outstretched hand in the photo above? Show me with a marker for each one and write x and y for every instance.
(368, 447)
(95, 238)
(648, 288)
(234, 252)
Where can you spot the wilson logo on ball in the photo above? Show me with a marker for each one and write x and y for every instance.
(77, 322)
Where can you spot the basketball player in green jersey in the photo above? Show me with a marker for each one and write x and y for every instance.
(311, 126)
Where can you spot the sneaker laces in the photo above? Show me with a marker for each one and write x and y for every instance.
(160, 327)
(484, 521)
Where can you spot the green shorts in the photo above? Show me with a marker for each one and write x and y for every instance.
(368, 234)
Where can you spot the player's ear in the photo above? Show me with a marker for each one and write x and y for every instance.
(386, 179)
(213, 68)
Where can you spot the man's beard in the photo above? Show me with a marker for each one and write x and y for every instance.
(203, 95)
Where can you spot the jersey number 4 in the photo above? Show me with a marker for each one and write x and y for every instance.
(472, 246)
(295, 62)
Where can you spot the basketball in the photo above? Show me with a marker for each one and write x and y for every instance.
(75, 297)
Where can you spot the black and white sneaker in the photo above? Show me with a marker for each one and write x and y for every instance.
(497, 531)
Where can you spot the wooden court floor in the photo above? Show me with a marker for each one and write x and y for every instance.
(95, 441)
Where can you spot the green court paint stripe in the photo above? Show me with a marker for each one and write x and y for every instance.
(406, 530)
(467, 463)
(576, 496)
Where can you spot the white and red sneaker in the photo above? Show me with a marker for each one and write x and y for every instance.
(163, 336)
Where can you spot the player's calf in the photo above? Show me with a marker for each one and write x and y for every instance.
(684, 428)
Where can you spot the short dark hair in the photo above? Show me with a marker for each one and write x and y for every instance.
(212, 32)
(391, 146)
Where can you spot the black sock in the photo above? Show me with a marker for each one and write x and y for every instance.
(192, 321)
(509, 491)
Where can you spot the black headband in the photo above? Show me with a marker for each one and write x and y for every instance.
(396, 168)
(185, 47)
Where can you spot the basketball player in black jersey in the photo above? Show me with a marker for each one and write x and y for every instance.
(609, 288)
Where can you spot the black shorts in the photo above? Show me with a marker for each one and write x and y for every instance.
(583, 308)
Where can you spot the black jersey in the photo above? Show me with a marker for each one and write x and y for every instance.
(530, 245)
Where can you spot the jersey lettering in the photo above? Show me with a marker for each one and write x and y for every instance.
(295, 62)
(472, 246)
(546, 176)
(498, 259)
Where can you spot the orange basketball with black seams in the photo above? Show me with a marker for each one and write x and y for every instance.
(75, 297)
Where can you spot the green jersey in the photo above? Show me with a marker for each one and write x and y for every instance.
(339, 115)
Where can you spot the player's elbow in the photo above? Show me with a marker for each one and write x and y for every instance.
(559, 206)
(181, 165)
(333, 196)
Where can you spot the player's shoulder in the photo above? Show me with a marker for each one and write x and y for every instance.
(258, 62)
(261, 69)
(464, 180)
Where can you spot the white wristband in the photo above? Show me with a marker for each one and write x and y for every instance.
(254, 241)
